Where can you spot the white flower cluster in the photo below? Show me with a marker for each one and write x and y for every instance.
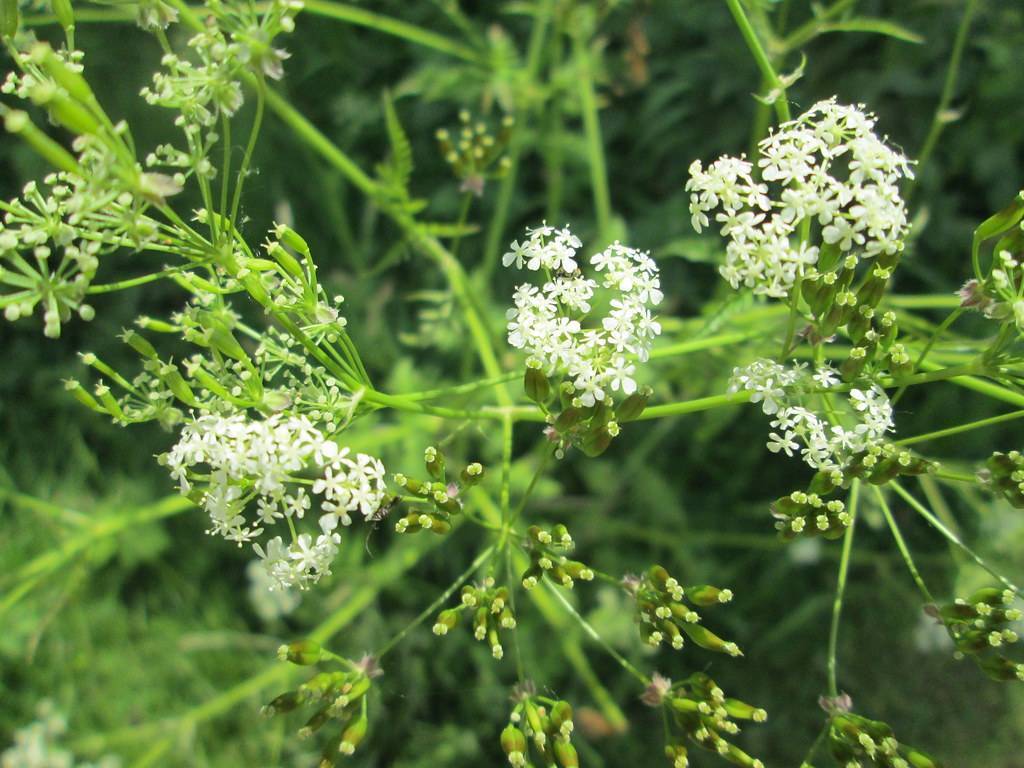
(829, 168)
(36, 744)
(259, 460)
(548, 322)
(822, 444)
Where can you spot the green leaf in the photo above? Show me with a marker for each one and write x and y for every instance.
(875, 26)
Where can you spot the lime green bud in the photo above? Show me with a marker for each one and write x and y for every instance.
(705, 638)
(513, 741)
(446, 621)
(286, 702)
(353, 736)
(434, 460)
(472, 474)
(301, 652)
(561, 713)
(705, 595)
(566, 755)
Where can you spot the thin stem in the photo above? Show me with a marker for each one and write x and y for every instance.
(441, 600)
(939, 119)
(390, 26)
(902, 546)
(243, 170)
(951, 537)
(837, 605)
(464, 205)
(593, 634)
(979, 424)
(761, 57)
(461, 389)
(592, 131)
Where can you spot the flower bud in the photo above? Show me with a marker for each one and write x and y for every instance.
(566, 755)
(353, 736)
(472, 474)
(434, 460)
(536, 384)
(705, 595)
(301, 652)
(286, 702)
(513, 741)
(634, 405)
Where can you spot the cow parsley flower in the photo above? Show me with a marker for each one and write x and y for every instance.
(550, 322)
(267, 461)
(826, 174)
(822, 442)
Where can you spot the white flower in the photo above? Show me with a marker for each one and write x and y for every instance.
(548, 323)
(829, 168)
(246, 458)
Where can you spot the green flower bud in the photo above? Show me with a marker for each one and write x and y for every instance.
(472, 474)
(353, 736)
(286, 702)
(513, 740)
(596, 441)
(434, 460)
(707, 639)
(536, 384)
(634, 405)
(705, 595)
(566, 755)
(561, 713)
(302, 652)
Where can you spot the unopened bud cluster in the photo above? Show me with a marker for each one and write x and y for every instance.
(812, 513)
(1004, 474)
(474, 153)
(539, 732)
(698, 712)
(981, 627)
(548, 548)
(857, 742)
(338, 700)
(488, 610)
(666, 612)
(440, 495)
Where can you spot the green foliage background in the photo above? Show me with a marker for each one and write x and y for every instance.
(141, 630)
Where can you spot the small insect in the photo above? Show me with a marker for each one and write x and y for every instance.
(378, 517)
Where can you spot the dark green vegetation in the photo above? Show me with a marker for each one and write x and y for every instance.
(116, 605)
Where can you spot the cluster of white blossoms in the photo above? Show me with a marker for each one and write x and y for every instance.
(822, 444)
(547, 322)
(826, 167)
(36, 745)
(246, 460)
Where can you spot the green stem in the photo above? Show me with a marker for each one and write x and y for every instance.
(592, 131)
(461, 389)
(708, 342)
(390, 26)
(939, 119)
(902, 546)
(979, 424)
(593, 634)
(951, 537)
(837, 605)
(434, 606)
(696, 405)
(761, 57)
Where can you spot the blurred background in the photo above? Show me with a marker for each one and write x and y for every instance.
(158, 646)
